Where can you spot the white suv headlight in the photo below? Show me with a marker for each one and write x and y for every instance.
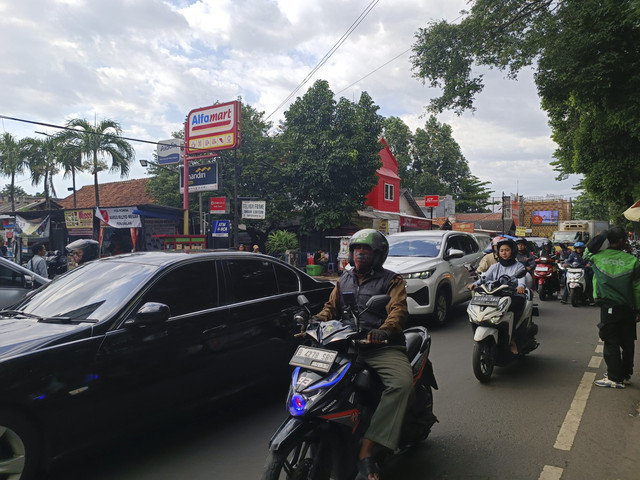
(419, 275)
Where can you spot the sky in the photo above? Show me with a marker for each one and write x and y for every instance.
(147, 63)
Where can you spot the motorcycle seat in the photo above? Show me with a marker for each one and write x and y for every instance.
(413, 341)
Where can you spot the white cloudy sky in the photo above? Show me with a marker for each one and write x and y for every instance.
(147, 63)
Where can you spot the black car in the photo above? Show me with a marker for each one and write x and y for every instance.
(142, 333)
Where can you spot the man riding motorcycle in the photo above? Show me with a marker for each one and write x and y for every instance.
(368, 250)
(527, 259)
(491, 257)
(577, 257)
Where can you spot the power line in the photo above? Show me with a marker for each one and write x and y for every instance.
(328, 55)
(374, 71)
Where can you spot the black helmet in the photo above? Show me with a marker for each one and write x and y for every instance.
(512, 246)
(521, 240)
(374, 239)
(547, 243)
(89, 249)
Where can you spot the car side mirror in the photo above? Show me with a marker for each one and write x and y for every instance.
(150, 314)
(453, 253)
(27, 282)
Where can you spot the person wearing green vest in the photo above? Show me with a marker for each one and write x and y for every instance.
(616, 288)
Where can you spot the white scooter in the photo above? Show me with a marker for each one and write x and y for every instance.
(494, 328)
(576, 283)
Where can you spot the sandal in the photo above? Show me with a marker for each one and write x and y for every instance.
(368, 466)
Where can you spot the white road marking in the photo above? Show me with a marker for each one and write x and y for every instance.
(600, 348)
(550, 473)
(569, 427)
(595, 362)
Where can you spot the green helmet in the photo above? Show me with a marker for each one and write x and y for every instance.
(374, 239)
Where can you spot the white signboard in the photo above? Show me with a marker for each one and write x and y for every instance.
(254, 210)
(170, 151)
(119, 217)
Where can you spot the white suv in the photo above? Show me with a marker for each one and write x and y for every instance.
(435, 265)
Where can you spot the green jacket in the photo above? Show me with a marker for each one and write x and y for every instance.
(616, 277)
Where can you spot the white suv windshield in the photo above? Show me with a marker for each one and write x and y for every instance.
(414, 247)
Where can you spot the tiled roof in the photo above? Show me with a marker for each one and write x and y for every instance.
(115, 194)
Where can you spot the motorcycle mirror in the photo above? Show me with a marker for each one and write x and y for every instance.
(377, 301)
(302, 300)
(521, 273)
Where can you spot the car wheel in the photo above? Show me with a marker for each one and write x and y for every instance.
(441, 307)
(19, 447)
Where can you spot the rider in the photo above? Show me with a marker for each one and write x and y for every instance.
(368, 250)
(564, 251)
(577, 257)
(547, 249)
(509, 266)
(83, 250)
(527, 259)
(491, 257)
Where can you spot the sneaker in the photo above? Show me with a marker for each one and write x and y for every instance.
(626, 381)
(605, 382)
(563, 300)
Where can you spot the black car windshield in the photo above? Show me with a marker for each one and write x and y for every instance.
(414, 247)
(94, 291)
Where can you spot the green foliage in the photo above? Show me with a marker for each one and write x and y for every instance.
(432, 164)
(18, 191)
(588, 77)
(586, 207)
(329, 153)
(13, 160)
(279, 241)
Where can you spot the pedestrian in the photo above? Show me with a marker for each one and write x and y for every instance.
(616, 288)
(3, 248)
(38, 264)
(256, 249)
(241, 248)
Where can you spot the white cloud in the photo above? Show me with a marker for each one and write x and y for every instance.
(148, 63)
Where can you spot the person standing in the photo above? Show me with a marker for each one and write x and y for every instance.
(38, 264)
(616, 287)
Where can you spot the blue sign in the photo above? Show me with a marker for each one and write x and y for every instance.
(220, 228)
(170, 151)
(202, 178)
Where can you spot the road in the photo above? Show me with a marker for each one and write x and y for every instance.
(539, 418)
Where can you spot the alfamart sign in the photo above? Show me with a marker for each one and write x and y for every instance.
(216, 127)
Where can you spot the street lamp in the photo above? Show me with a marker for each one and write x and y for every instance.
(146, 163)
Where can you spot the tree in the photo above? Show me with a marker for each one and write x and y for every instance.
(17, 190)
(399, 138)
(97, 143)
(329, 151)
(70, 159)
(13, 160)
(42, 159)
(586, 207)
(588, 59)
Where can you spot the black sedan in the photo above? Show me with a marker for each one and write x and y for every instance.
(125, 337)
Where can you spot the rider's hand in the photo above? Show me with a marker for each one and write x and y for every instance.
(470, 286)
(520, 290)
(377, 336)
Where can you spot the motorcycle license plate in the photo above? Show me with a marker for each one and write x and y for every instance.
(486, 300)
(543, 269)
(313, 358)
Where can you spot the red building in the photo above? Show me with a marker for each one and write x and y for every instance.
(385, 196)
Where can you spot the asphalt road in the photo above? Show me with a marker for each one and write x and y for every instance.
(539, 418)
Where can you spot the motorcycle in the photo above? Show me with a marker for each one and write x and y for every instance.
(494, 326)
(576, 283)
(56, 263)
(545, 277)
(332, 397)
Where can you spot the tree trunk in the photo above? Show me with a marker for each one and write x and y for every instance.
(95, 177)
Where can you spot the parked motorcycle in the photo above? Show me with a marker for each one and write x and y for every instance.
(545, 277)
(333, 396)
(494, 326)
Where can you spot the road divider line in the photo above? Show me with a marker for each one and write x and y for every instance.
(600, 348)
(569, 427)
(595, 362)
(550, 472)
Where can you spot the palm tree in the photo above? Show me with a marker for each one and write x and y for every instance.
(12, 161)
(100, 140)
(42, 157)
(70, 159)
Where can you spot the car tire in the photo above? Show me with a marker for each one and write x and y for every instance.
(20, 447)
(441, 306)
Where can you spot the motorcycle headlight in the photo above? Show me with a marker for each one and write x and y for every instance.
(423, 275)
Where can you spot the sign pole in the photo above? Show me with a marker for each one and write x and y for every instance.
(235, 198)
(185, 202)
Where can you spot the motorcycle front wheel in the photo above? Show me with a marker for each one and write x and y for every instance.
(542, 292)
(575, 294)
(300, 460)
(484, 359)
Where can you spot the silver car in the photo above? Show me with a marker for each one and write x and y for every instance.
(16, 282)
(435, 265)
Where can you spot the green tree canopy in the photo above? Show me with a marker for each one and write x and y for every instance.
(588, 78)
(13, 160)
(329, 152)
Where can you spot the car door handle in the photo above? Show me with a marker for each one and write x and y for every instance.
(214, 329)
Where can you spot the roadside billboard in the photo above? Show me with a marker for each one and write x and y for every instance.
(216, 127)
(170, 151)
(202, 178)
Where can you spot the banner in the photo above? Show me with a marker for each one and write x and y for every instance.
(79, 222)
(32, 228)
(122, 217)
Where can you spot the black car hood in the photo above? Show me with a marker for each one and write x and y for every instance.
(18, 335)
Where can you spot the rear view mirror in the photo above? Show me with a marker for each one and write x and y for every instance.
(151, 313)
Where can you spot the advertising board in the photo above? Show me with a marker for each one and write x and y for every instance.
(202, 178)
(216, 127)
